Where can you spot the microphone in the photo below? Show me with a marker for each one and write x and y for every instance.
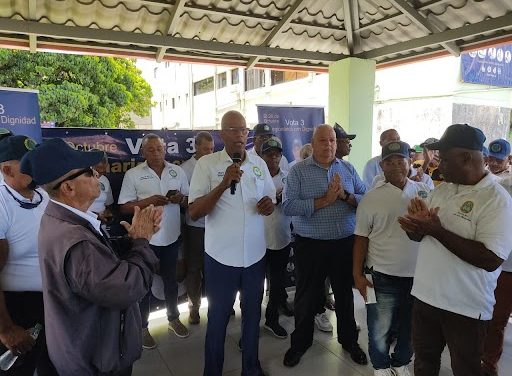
(237, 158)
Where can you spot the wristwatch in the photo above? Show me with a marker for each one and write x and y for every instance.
(347, 195)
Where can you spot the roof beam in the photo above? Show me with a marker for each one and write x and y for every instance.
(466, 31)
(290, 14)
(32, 12)
(349, 24)
(166, 41)
(423, 23)
(171, 25)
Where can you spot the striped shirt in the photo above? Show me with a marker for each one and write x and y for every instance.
(308, 180)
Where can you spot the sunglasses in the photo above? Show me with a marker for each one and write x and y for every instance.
(86, 171)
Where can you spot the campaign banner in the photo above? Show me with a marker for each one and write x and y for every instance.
(292, 124)
(490, 66)
(19, 112)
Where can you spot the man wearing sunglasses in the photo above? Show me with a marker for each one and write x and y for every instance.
(21, 297)
(91, 295)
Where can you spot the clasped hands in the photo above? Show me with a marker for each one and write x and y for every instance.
(335, 190)
(420, 220)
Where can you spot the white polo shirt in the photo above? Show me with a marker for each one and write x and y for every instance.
(481, 212)
(425, 179)
(188, 166)
(141, 182)
(20, 227)
(390, 251)
(278, 233)
(283, 163)
(506, 182)
(234, 231)
(105, 198)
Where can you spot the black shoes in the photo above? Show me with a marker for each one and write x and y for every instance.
(357, 354)
(286, 310)
(292, 357)
(276, 329)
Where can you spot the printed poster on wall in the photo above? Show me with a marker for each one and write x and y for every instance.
(490, 66)
(19, 112)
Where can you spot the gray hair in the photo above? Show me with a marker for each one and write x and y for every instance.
(203, 136)
(151, 136)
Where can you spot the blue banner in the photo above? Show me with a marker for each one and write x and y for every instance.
(19, 112)
(491, 66)
(292, 124)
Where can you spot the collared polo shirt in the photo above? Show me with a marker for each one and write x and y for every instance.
(234, 231)
(480, 212)
(20, 227)
(425, 179)
(283, 163)
(390, 251)
(141, 182)
(105, 198)
(308, 180)
(506, 182)
(278, 233)
(188, 166)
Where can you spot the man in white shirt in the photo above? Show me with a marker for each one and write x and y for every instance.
(372, 167)
(464, 239)
(498, 158)
(21, 297)
(390, 257)
(261, 133)
(194, 234)
(101, 205)
(159, 183)
(278, 238)
(233, 189)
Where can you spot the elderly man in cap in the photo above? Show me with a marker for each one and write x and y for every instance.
(343, 145)
(322, 193)
(93, 324)
(278, 239)
(498, 158)
(389, 256)
(261, 133)
(372, 167)
(21, 296)
(464, 240)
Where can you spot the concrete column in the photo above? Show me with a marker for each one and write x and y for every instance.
(351, 92)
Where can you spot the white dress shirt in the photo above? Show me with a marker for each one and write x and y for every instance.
(278, 233)
(142, 182)
(234, 231)
(188, 166)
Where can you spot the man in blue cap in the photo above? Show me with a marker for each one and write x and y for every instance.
(464, 239)
(93, 323)
(21, 296)
(261, 133)
(498, 158)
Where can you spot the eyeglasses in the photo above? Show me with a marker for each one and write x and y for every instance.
(243, 131)
(86, 171)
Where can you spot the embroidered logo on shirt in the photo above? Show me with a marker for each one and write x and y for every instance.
(466, 207)
(173, 173)
(102, 186)
(284, 180)
(220, 173)
(257, 171)
(422, 194)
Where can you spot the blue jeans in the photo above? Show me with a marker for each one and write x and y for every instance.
(168, 256)
(392, 310)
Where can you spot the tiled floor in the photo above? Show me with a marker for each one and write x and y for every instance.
(184, 357)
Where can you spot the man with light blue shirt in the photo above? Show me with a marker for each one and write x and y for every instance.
(321, 194)
(372, 167)
(233, 190)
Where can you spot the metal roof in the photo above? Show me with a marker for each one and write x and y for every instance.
(299, 34)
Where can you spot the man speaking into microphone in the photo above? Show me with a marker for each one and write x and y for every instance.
(233, 190)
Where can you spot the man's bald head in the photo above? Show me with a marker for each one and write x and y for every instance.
(231, 117)
(389, 135)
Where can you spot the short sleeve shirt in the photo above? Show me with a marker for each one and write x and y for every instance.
(234, 231)
(142, 182)
(277, 225)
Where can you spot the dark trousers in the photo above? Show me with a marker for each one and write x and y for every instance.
(221, 283)
(277, 260)
(194, 259)
(314, 260)
(493, 345)
(168, 256)
(26, 310)
(434, 328)
(125, 372)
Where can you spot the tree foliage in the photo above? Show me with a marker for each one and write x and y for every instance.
(79, 91)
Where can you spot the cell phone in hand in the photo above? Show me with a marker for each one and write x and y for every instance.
(171, 192)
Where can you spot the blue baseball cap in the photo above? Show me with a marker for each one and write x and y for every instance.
(4, 133)
(54, 158)
(13, 148)
(262, 129)
(459, 136)
(395, 148)
(485, 151)
(499, 149)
